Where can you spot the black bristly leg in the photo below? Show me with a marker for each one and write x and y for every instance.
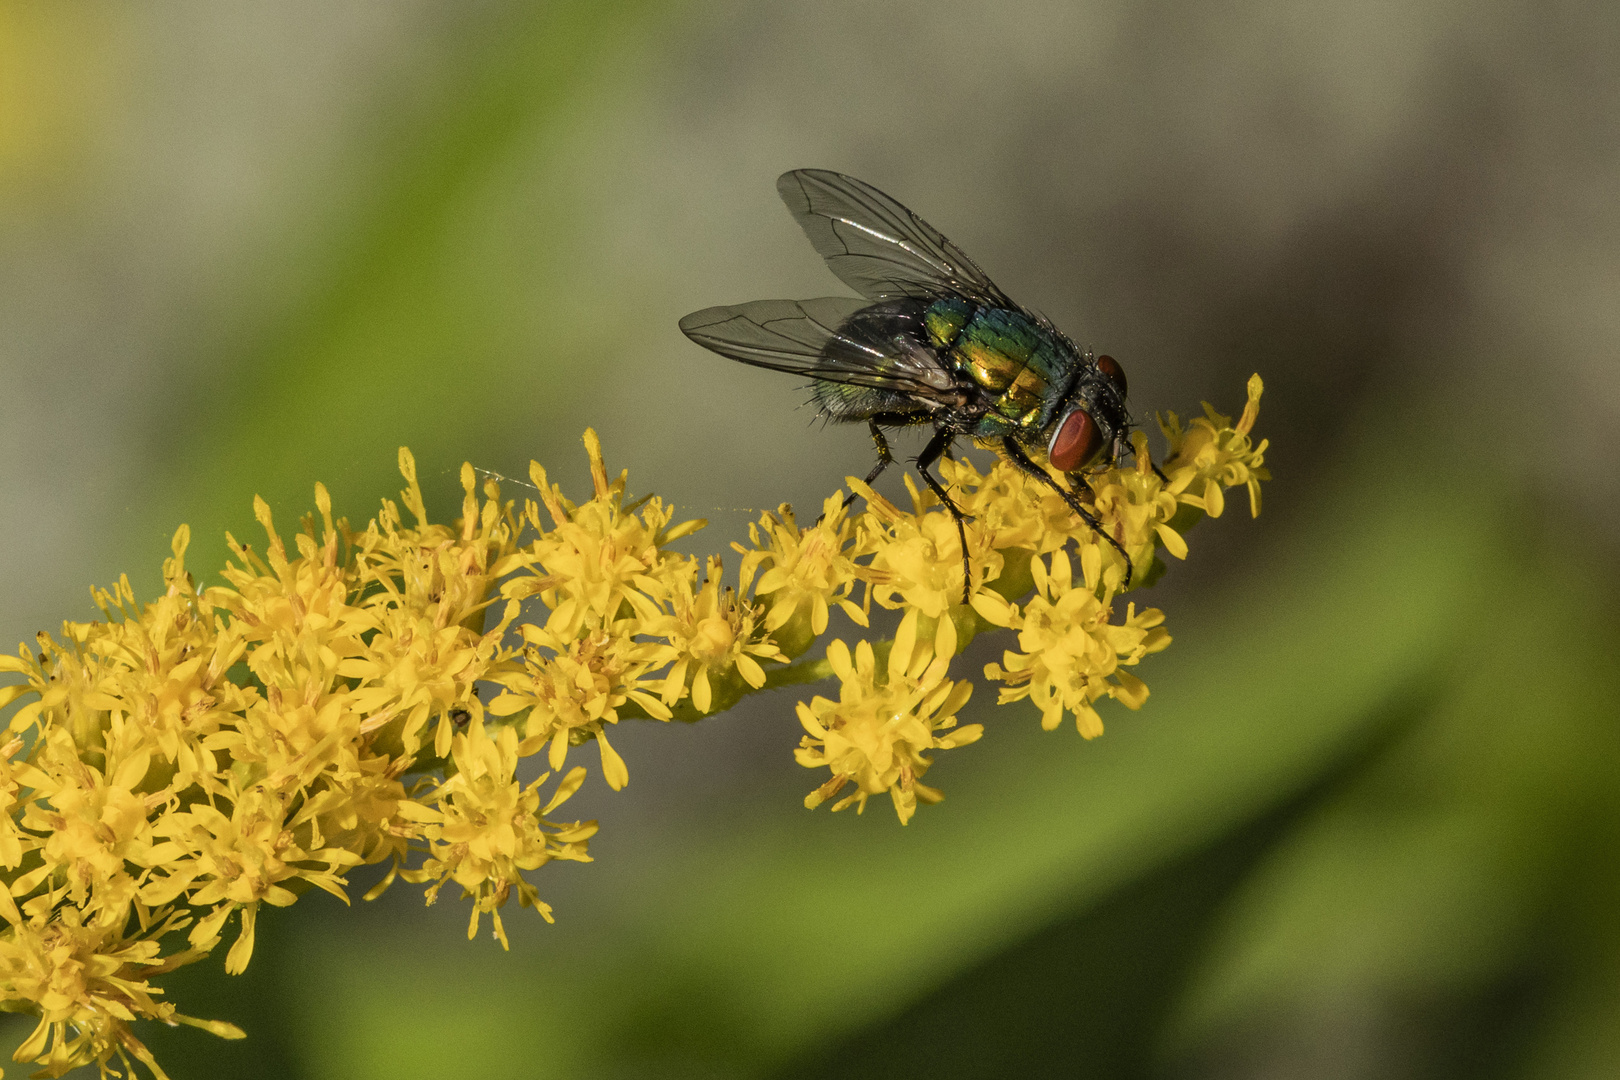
(931, 453)
(1016, 455)
(885, 458)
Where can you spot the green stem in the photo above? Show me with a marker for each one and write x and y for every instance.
(797, 674)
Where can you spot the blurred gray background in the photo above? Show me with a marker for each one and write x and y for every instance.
(248, 247)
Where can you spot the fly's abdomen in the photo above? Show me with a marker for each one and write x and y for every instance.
(1008, 356)
(886, 336)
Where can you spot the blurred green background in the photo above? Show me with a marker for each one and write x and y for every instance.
(1367, 824)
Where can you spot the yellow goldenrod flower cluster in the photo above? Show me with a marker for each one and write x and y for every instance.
(365, 697)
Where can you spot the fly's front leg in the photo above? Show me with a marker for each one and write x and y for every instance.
(931, 453)
(1119, 451)
(1016, 455)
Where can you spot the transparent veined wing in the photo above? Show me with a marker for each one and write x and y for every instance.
(877, 246)
(823, 339)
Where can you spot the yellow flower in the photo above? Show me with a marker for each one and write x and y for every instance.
(875, 735)
(808, 571)
(86, 981)
(414, 641)
(1070, 654)
(714, 635)
(17, 798)
(1011, 508)
(917, 556)
(1137, 508)
(600, 556)
(487, 828)
(1218, 453)
(577, 689)
(94, 823)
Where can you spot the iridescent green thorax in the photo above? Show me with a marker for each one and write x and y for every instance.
(945, 318)
(1008, 353)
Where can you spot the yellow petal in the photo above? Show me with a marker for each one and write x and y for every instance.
(838, 659)
(1061, 576)
(1091, 564)
(945, 636)
(506, 705)
(613, 770)
(992, 607)
(969, 733)
(1251, 410)
(752, 673)
(1172, 541)
(236, 961)
(566, 789)
(780, 613)
(675, 682)
(33, 1047)
(818, 614)
(808, 720)
(1131, 692)
(905, 641)
(222, 1029)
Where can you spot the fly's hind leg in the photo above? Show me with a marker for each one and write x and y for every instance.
(1016, 455)
(936, 448)
(885, 456)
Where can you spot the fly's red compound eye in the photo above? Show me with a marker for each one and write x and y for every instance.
(1076, 441)
(1116, 374)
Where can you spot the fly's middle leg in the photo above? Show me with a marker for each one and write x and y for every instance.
(931, 453)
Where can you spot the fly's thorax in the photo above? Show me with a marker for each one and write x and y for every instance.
(945, 319)
(1019, 365)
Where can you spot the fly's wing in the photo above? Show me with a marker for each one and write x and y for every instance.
(810, 337)
(878, 247)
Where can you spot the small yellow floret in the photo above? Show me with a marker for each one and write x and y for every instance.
(806, 572)
(489, 828)
(876, 733)
(1069, 652)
